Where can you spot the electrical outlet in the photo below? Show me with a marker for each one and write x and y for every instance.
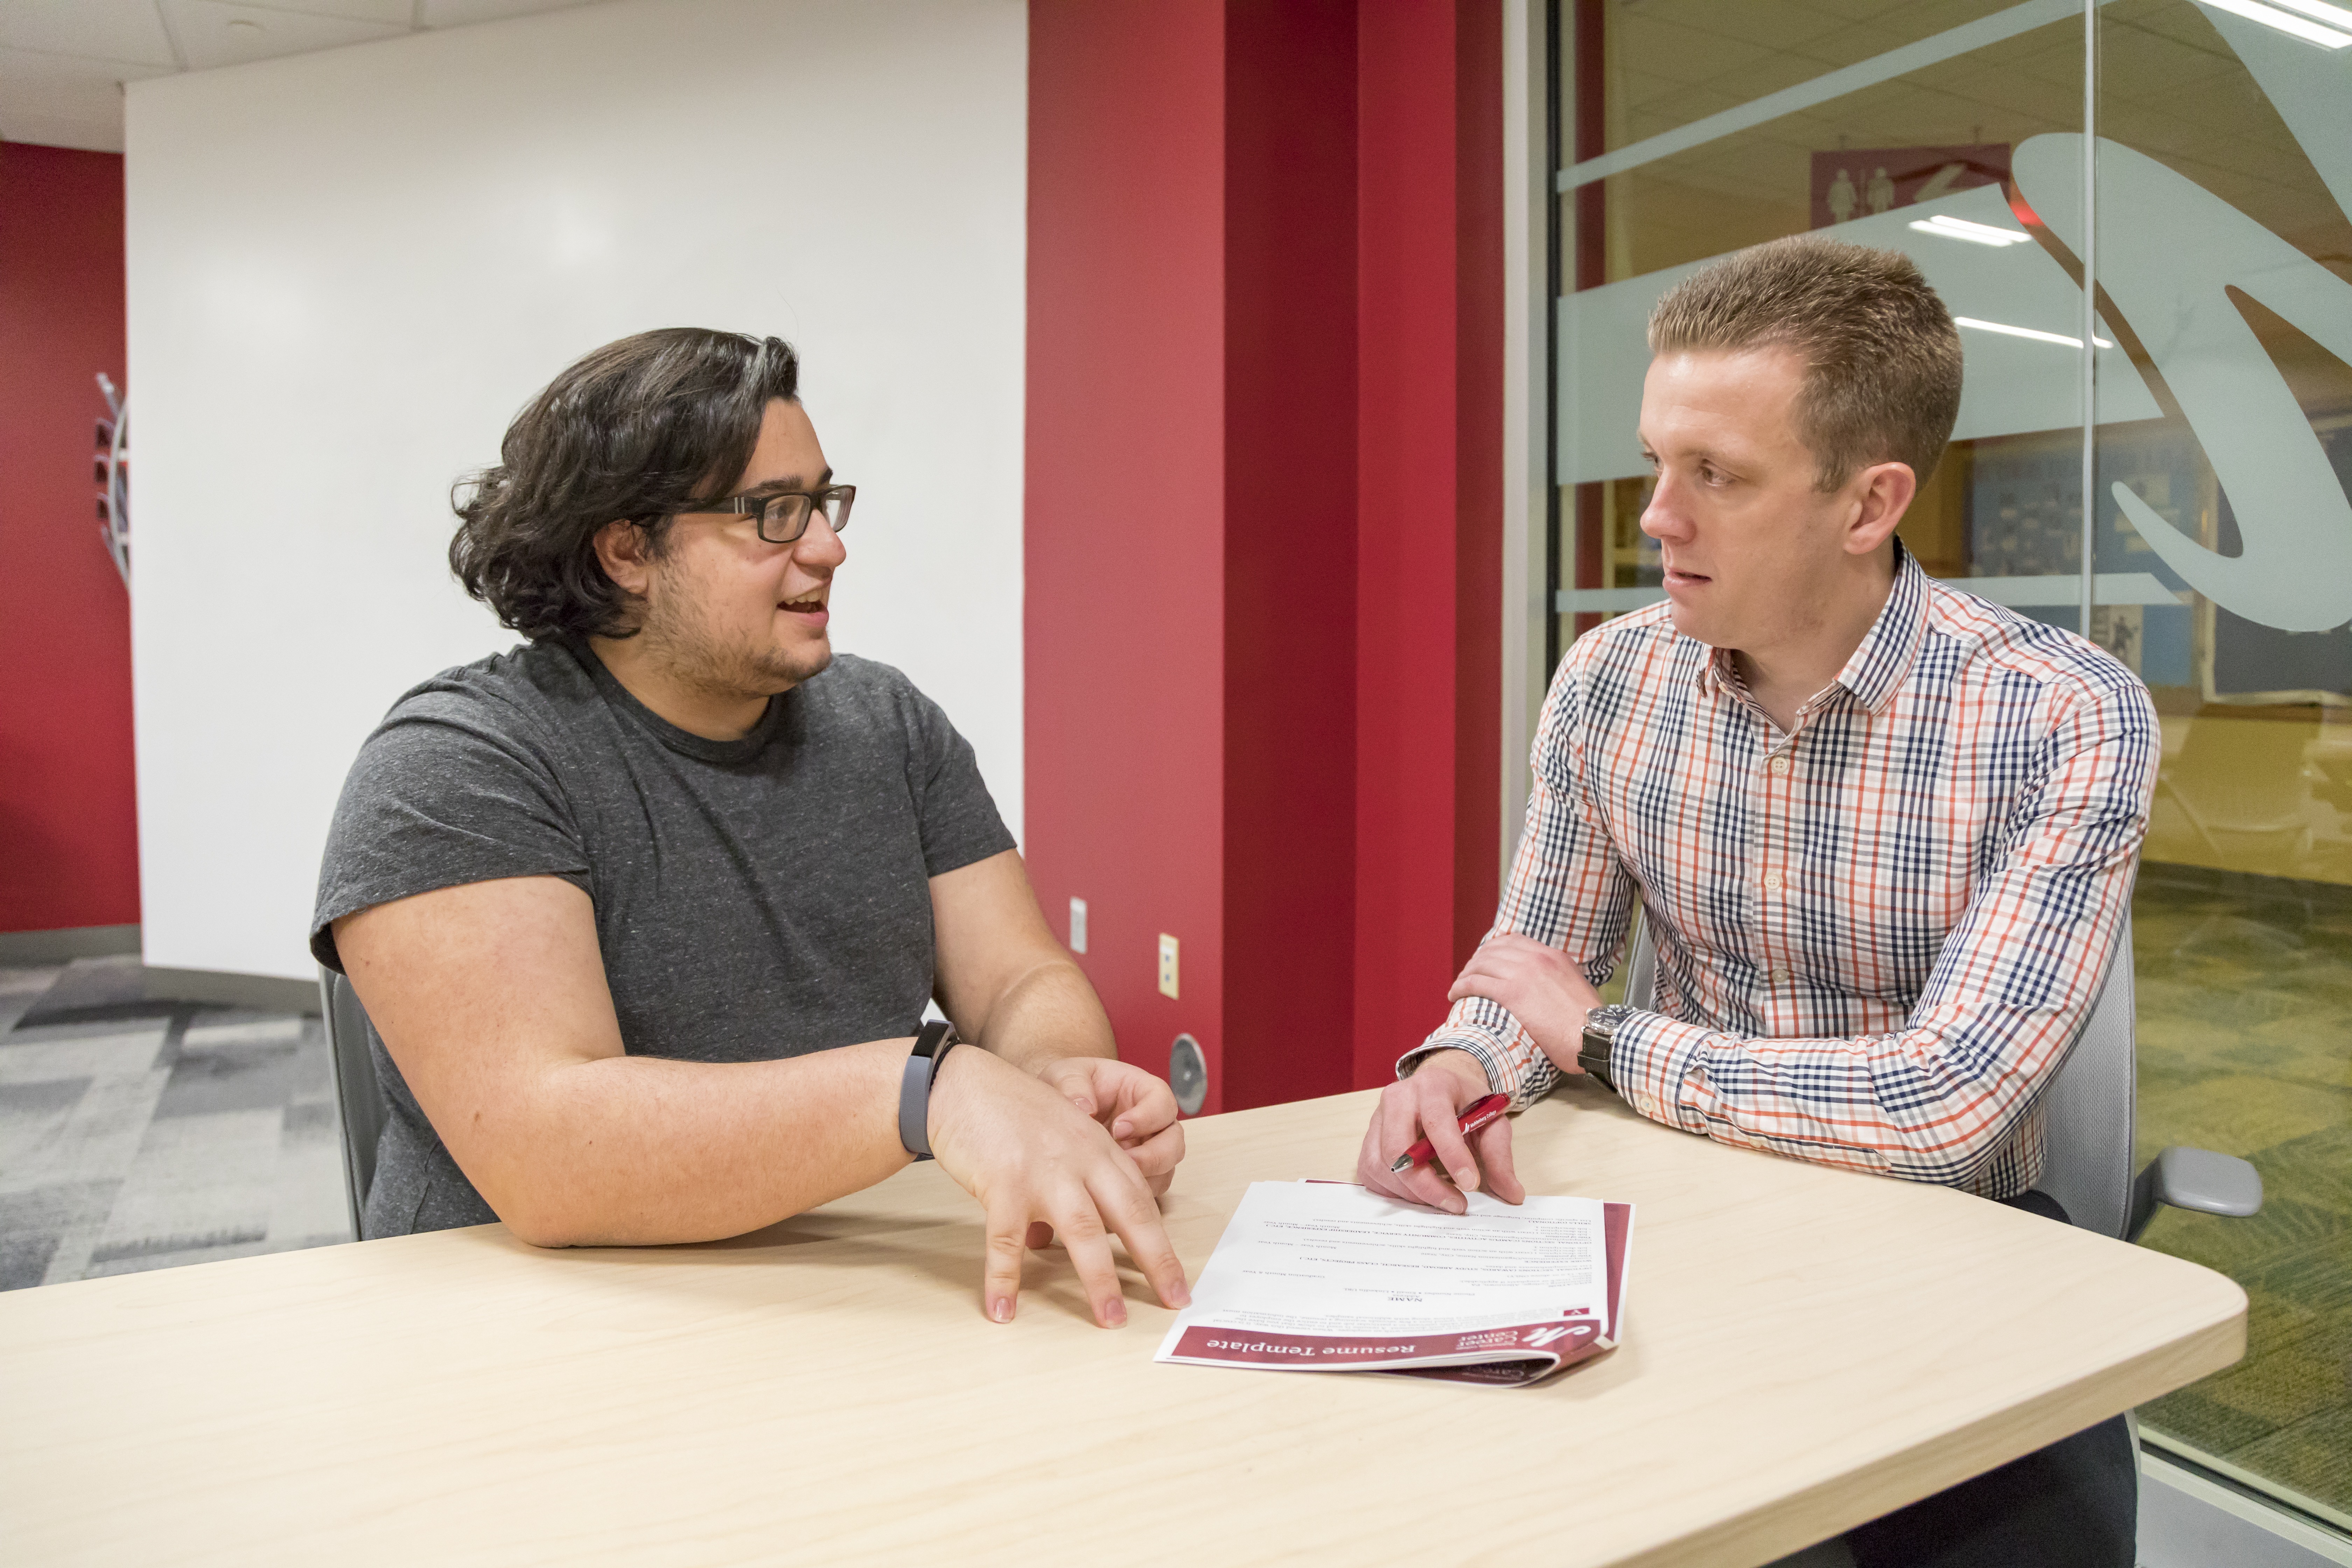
(1166, 964)
(1077, 925)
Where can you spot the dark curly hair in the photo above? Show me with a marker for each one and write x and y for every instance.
(635, 431)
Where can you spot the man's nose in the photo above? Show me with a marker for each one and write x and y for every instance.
(1662, 516)
(818, 544)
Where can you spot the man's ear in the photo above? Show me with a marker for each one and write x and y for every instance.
(621, 550)
(1884, 491)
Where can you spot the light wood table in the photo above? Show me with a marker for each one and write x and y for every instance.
(1804, 1349)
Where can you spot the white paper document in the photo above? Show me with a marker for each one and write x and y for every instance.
(1325, 1275)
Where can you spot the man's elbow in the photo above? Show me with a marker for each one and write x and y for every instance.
(539, 1221)
(1955, 1162)
(538, 1208)
(537, 1231)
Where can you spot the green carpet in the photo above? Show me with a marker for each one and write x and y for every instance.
(2245, 1046)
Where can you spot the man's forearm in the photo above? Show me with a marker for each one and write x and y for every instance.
(621, 1151)
(1050, 1012)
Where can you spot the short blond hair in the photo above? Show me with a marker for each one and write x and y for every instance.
(1881, 357)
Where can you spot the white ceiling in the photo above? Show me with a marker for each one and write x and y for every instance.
(63, 62)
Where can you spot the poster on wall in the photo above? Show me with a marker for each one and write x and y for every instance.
(1862, 182)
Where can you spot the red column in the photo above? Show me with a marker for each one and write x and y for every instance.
(1264, 517)
(1478, 473)
(1124, 603)
(69, 823)
(1590, 136)
(1428, 585)
(1290, 547)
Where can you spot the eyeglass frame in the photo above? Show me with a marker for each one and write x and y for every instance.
(758, 506)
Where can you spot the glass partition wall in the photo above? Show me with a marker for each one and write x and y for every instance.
(2208, 419)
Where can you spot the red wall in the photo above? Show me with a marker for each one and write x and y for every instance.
(1263, 524)
(1125, 530)
(1290, 547)
(68, 837)
(1430, 589)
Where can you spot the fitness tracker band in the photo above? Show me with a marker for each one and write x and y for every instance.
(933, 1043)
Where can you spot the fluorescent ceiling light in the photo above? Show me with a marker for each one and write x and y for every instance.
(2331, 38)
(2334, 15)
(2037, 336)
(1961, 228)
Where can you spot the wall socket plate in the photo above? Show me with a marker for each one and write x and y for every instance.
(1188, 1074)
(1166, 964)
(1077, 925)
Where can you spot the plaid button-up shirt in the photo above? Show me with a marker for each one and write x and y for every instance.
(1876, 934)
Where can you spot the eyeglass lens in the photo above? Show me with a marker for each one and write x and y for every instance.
(787, 516)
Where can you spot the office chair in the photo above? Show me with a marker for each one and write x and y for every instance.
(2088, 1131)
(2089, 1110)
(357, 1090)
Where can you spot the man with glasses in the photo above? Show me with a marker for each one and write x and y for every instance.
(647, 911)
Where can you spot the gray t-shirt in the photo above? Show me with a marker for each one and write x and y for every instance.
(754, 898)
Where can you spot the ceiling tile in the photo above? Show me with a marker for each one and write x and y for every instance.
(32, 70)
(108, 29)
(1776, 23)
(391, 13)
(458, 13)
(66, 101)
(217, 33)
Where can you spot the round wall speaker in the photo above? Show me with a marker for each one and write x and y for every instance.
(1188, 1075)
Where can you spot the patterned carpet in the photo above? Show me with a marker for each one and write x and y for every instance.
(2245, 1046)
(137, 1133)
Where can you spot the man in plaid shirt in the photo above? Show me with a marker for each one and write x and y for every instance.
(1883, 831)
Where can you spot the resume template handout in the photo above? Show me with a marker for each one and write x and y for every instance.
(1330, 1276)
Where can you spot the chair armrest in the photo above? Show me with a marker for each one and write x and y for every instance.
(2196, 1179)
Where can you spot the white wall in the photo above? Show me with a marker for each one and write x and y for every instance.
(348, 270)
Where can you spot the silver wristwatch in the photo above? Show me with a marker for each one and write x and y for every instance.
(1600, 1027)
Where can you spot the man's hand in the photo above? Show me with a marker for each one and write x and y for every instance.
(1137, 1108)
(1539, 985)
(1428, 1105)
(1018, 1144)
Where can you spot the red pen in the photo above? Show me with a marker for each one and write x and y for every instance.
(1477, 1114)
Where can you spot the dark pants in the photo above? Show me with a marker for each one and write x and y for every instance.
(2075, 1504)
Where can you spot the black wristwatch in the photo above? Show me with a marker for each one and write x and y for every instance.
(933, 1043)
(1600, 1027)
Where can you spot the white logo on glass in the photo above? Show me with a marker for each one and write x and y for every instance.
(2168, 251)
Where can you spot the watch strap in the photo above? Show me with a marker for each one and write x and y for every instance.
(932, 1043)
(1595, 1051)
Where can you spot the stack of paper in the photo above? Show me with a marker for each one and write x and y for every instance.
(1327, 1277)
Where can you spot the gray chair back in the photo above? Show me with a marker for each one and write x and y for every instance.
(357, 1090)
(2088, 1107)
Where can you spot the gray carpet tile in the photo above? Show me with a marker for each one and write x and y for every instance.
(34, 1221)
(140, 1133)
(20, 987)
(97, 989)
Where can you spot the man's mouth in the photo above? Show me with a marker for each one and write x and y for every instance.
(813, 605)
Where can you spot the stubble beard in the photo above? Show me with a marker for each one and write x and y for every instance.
(704, 656)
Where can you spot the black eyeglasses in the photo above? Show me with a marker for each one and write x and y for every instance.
(784, 518)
